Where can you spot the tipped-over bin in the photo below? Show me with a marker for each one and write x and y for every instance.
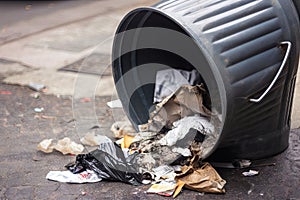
(246, 51)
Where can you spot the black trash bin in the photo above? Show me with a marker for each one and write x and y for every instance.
(246, 51)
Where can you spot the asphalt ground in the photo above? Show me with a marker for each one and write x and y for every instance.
(23, 168)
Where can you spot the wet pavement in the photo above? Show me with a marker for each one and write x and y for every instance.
(23, 168)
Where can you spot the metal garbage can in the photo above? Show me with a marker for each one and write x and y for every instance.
(247, 52)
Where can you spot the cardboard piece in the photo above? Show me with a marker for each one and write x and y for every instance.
(201, 178)
(186, 101)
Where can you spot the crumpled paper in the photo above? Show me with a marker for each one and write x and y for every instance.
(92, 139)
(164, 188)
(202, 178)
(46, 146)
(122, 128)
(186, 101)
(65, 146)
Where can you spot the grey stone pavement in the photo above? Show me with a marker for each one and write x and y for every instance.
(44, 37)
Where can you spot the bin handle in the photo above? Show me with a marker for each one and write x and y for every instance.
(289, 44)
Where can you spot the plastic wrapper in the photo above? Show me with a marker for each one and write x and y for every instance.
(68, 177)
(109, 163)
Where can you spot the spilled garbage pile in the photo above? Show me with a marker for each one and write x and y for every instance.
(167, 152)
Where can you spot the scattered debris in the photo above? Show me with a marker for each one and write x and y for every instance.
(201, 193)
(181, 129)
(115, 104)
(250, 173)
(5, 92)
(91, 139)
(38, 110)
(251, 188)
(200, 177)
(38, 116)
(183, 151)
(186, 101)
(65, 146)
(122, 128)
(166, 152)
(127, 140)
(87, 176)
(164, 171)
(47, 117)
(189, 129)
(85, 100)
(164, 188)
(46, 146)
(36, 87)
(35, 95)
(169, 80)
(36, 158)
(110, 163)
(83, 193)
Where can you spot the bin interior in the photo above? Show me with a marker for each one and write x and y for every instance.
(154, 59)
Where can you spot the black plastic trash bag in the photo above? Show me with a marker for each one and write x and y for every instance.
(109, 163)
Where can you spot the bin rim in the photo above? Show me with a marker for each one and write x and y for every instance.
(213, 66)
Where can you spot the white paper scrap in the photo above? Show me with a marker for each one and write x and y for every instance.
(68, 177)
(115, 104)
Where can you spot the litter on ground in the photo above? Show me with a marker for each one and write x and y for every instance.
(65, 146)
(251, 173)
(166, 152)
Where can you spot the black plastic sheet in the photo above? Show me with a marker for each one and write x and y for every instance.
(109, 163)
